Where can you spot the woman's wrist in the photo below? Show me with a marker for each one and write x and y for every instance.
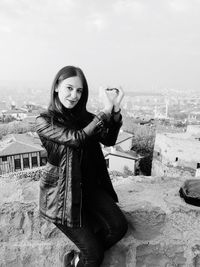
(116, 113)
(116, 109)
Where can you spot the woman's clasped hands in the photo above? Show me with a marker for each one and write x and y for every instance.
(111, 98)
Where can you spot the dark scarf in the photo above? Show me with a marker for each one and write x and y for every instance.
(75, 119)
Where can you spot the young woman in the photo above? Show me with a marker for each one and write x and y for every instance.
(76, 193)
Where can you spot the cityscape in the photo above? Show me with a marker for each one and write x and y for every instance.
(145, 115)
(171, 106)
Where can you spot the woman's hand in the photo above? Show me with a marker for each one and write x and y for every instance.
(107, 100)
(117, 98)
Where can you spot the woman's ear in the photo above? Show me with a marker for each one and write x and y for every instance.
(56, 89)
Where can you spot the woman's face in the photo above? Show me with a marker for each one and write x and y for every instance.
(70, 91)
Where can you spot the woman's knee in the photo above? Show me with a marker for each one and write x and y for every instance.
(118, 229)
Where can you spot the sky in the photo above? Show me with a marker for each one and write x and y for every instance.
(138, 44)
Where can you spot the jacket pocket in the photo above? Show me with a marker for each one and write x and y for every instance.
(50, 175)
(49, 189)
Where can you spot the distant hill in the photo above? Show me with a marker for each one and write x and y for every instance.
(143, 93)
(21, 92)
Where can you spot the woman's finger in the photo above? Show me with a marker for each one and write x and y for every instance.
(121, 91)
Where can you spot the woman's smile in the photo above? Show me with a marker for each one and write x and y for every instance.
(72, 101)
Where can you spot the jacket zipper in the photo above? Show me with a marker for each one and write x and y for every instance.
(66, 185)
(81, 208)
(81, 203)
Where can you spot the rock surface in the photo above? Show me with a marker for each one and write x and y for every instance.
(164, 231)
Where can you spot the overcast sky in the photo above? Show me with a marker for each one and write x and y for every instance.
(140, 44)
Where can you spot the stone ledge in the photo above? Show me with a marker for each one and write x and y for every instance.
(163, 229)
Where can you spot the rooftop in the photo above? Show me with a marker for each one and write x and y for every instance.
(20, 144)
(129, 155)
(123, 136)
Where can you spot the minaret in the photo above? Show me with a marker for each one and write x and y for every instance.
(166, 108)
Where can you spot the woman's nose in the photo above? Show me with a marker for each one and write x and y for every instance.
(74, 94)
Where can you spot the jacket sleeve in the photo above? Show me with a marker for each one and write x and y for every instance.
(63, 135)
(109, 134)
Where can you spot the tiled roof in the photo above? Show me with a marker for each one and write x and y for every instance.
(16, 148)
(20, 144)
(108, 151)
(30, 138)
(123, 136)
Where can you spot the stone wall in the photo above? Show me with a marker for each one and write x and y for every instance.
(164, 231)
(161, 169)
(175, 153)
(33, 174)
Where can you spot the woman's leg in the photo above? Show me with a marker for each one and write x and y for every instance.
(112, 222)
(112, 225)
(92, 251)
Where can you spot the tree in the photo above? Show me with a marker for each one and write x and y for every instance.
(143, 141)
(143, 144)
(128, 124)
(16, 127)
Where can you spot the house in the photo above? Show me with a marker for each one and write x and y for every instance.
(3, 107)
(20, 152)
(194, 117)
(177, 154)
(120, 156)
(18, 114)
(119, 160)
(124, 140)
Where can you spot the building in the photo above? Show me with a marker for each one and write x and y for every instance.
(118, 160)
(120, 156)
(21, 151)
(124, 140)
(177, 154)
(18, 114)
(194, 117)
(3, 106)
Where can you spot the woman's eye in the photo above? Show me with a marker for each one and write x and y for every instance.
(69, 88)
(80, 91)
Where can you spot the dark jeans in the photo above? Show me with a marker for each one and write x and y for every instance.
(104, 225)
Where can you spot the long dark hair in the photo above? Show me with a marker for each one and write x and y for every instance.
(55, 106)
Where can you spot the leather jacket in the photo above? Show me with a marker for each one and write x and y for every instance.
(61, 181)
